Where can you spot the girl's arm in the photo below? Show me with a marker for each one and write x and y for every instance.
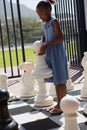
(43, 39)
(58, 33)
(59, 37)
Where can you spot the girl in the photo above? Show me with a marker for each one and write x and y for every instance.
(55, 52)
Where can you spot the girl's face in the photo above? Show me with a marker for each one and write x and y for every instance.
(44, 14)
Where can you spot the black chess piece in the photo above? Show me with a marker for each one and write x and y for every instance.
(6, 121)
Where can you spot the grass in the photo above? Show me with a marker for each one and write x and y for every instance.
(29, 55)
(71, 50)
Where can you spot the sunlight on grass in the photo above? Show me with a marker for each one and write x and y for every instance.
(15, 58)
(29, 55)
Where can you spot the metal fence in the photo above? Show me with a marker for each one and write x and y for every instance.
(66, 13)
(8, 24)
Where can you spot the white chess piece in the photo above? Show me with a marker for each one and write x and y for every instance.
(40, 72)
(69, 106)
(85, 108)
(69, 84)
(52, 90)
(27, 89)
(4, 81)
(84, 88)
(4, 84)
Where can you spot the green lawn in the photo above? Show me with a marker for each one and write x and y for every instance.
(29, 54)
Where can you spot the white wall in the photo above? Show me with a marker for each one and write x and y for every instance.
(85, 5)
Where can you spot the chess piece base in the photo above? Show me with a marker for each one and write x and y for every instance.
(44, 101)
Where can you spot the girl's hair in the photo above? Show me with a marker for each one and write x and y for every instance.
(51, 1)
(46, 3)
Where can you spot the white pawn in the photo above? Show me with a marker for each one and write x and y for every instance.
(69, 106)
(40, 72)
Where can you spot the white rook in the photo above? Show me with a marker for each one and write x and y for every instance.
(40, 72)
(69, 106)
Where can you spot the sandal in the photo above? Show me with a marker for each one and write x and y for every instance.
(50, 108)
(54, 110)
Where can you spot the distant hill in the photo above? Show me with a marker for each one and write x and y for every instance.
(25, 11)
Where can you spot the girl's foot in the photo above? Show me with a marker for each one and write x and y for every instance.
(55, 110)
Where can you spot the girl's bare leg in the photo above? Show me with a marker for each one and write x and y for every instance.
(60, 92)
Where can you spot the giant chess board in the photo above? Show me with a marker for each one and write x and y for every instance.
(30, 117)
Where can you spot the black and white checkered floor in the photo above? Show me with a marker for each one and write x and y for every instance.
(30, 117)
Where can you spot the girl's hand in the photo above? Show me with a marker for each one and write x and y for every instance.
(42, 50)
